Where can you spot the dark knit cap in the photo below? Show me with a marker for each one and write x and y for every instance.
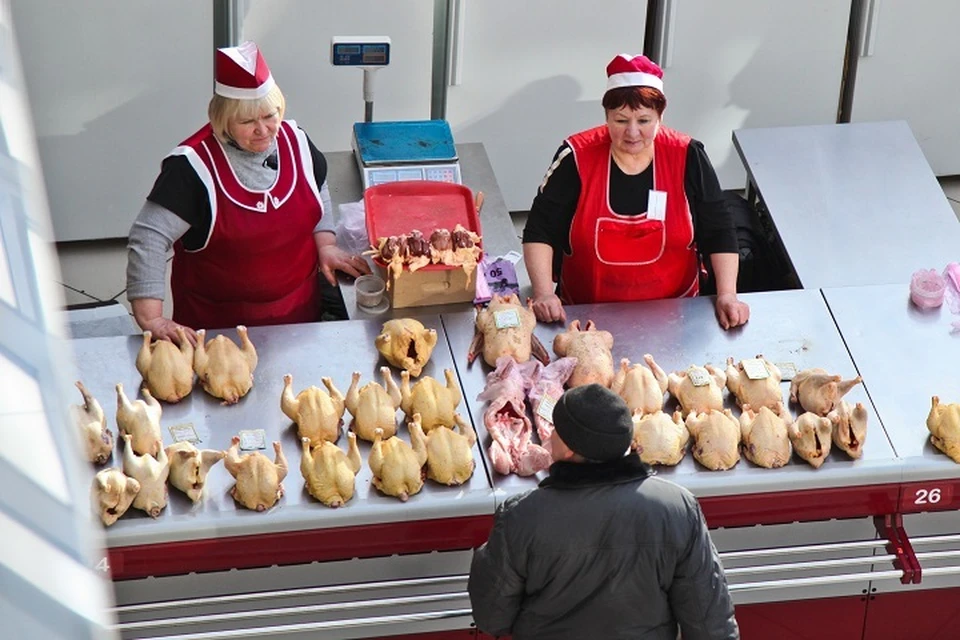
(594, 422)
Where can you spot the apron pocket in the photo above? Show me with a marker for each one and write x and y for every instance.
(630, 242)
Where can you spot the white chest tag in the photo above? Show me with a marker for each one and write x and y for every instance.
(251, 439)
(788, 371)
(545, 409)
(506, 319)
(657, 205)
(755, 369)
(184, 432)
(699, 377)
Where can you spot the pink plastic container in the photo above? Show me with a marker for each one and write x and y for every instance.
(927, 289)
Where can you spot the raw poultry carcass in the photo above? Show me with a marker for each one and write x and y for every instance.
(92, 422)
(372, 406)
(642, 388)
(717, 438)
(544, 390)
(466, 250)
(152, 474)
(140, 419)
(505, 418)
(436, 404)
(698, 389)
(449, 453)
(943, 422)
(258, 485)
(441, 247)
(755, 382)
(189, 467)
(225, 370)
(591, 348)
(765, 434)
(317, 413)
(418, 251)
(397, 467)
(111, 494)
(849, 427)
(167, 370)
(328, 473)
(406, 344)
(505, 328)
(810, 436)
(392, 251)
(659, 438)
(818, 391)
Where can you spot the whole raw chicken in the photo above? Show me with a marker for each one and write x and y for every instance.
(152, 474)
(698, 389)
(397, 467)
(943, 422)
(225, 370)
(765, 434)
(659, 438)
(92, 422)
(449, 453)
(167, 371)
(591, 348)
(642, 388)
(545, 389)
(372, 406)
(849, 427)
(435, 403)
(189, 467)
(505, 328)
(328, 473)
(258, 479)
(406, 344)
(818, 391)
(717, 438)
(759, 392)
(111, 494)
(140, 419)
(810, 436)
(317, 413)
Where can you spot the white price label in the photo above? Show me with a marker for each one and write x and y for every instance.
(545, 408)
(755, 368)
(506, 319)
(251, 439)
(184, 432)
(788, 371)
(698, 377)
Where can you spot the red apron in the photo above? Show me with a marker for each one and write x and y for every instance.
(259, 263)
(617, 258)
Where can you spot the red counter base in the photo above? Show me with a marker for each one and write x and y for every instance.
(823, 619)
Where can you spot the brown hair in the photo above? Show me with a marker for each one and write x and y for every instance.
(635, 97)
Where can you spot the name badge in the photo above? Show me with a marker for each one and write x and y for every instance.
(657, 205)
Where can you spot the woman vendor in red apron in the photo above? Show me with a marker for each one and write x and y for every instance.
(626, 208)
(245, 206)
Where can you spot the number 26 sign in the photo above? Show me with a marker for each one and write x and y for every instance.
(929, 496)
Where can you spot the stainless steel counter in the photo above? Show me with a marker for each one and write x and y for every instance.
(787, 326)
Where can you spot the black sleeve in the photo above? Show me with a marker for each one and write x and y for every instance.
(551, 213)
(713, 225)
(178, 189)
(319, 162)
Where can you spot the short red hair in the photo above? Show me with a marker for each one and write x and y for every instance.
(635, 97)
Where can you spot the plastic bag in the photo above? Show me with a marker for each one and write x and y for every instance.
(496, 276)
(352, 227)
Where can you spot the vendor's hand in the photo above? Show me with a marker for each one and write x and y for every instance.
(730, 311)
(547, 308)
(333, 258)
(165, 329)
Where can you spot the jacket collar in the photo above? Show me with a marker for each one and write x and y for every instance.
(576, 475)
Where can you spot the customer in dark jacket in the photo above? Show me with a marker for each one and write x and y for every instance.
(601, 549)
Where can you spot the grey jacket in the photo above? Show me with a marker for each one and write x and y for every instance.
(601, 551)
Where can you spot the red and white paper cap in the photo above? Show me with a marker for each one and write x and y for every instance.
(242, 73)
(634, 71)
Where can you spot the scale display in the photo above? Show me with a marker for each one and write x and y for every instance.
(373, 176)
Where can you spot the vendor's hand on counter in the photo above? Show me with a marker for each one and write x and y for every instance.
(547, 308)
(333, 258)
(730, 311)
(165, 329)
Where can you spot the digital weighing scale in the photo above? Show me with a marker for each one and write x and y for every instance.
(406, 150)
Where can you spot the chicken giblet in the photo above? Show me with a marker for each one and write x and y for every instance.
(765, 434)
(317, 414)
(591, 348)
(810, 436)
(849, 427)
(406, 344)
(372, 406)
(761, 390)
(189, 467)
(642, 388)
(152, 474)
(167, 371)
(258, 485)
(397, 467)
(818, 391)
(140, 419)
(449, 453)
(505, 328)
(659, 438)
(435, 403)
(225, 370)
(328, 473)
(698, 389)
(943, 423)
(111, 494)
(717, 438)
(92, 423)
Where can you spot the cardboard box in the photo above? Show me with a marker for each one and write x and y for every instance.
(436, 284)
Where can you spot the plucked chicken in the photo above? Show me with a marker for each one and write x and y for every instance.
(328, 473)
(818, 391)
(698, 389)
(659, 438)
(397, 467)
(92, 422)
(189, 467)
(758, 386)
(717, 438)
(765, 434)
(449, 453)
(849, 427)
(505, 328)
(461, 247)
(406, 344)
(810, 436)
(435, 403)
(111, 494)
(259, 481)
(225, 370)
(372, 406)
(591, 348)
(167, 370)
(152, 474)
(943, 422)
(545, 389)
(318, 414)
(140, 419)
(642, 388)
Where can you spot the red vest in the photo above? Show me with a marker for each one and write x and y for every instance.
(259, 263)
(617, 258)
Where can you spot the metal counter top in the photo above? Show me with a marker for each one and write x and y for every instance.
(308, 352)
(838, 194)
(499, 234)
(786, 326)
(906, 355)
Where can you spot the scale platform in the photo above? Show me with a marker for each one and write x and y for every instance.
(405, 150)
